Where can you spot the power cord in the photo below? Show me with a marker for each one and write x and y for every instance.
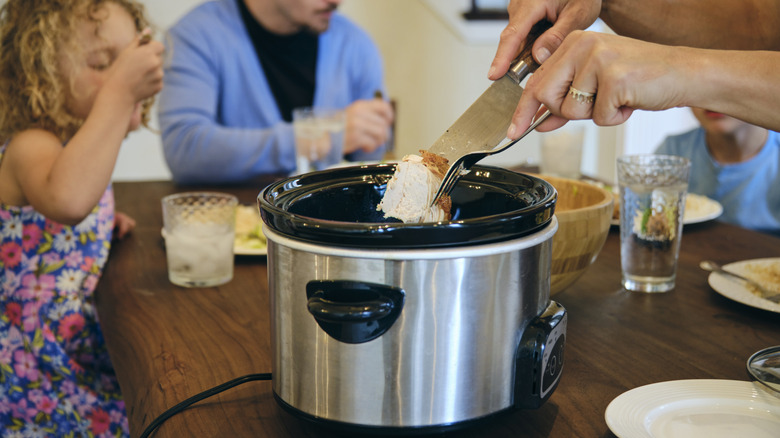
(201, 396)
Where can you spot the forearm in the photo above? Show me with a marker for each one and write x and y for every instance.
(741, 84)
(627, 74)
(204, 152)
(722, 24)
(88, 159)
(82, 170)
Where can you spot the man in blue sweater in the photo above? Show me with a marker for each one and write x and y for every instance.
(238, 68)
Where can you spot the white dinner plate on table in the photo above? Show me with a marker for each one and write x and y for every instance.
(249, 239)
(761, 270)
(696, 409)
(698, 209)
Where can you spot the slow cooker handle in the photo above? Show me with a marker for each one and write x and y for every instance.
(333, 311)
(353, 311)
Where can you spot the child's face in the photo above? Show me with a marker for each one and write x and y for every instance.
(717, 123)
(89, 71)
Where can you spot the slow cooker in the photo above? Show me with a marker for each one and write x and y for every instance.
(389, 328)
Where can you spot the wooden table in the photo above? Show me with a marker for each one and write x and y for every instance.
(169, 343)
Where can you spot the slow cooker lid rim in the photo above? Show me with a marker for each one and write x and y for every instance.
(495, 219)
(276, 200)
(509, 216)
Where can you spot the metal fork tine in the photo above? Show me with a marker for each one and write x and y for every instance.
(448, 182)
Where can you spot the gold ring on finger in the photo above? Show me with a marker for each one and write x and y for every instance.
(581, 96)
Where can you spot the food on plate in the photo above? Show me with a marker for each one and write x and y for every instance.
(767, 275)
(249, 228)
(412, 188)
(694, 204)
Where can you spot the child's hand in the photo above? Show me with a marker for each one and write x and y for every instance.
(123, 224)
(138, 70)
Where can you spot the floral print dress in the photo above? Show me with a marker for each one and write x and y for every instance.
(56, 378)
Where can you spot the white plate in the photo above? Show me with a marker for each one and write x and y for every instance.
(736, 290)
(696, 409)
(247, 218)
(698, 209)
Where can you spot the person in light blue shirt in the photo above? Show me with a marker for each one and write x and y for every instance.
(237, 68)
(736, 164)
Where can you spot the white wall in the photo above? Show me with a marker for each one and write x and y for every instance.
(436, 66)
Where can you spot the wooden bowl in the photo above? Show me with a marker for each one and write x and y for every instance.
(584, 212)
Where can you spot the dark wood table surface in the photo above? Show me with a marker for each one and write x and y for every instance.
(169, 343)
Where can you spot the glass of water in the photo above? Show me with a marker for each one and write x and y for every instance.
(652, 203)
(199, 230)
(319, 137)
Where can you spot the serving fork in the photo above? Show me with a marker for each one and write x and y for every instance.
(463, 164)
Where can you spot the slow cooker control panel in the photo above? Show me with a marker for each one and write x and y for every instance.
(539, 358)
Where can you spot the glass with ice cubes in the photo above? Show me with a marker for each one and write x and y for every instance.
(199, 230)
(319, 137)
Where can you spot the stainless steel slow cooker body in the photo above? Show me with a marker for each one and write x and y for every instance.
(410, 337)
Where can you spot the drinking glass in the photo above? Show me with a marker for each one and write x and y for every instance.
(319, 138)
(199, 230)
(652, 203)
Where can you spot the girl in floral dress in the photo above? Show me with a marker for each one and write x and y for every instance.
(75, 77)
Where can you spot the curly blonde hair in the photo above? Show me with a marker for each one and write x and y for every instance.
(33, 35)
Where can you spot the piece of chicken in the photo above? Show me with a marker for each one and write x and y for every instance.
(412, 188)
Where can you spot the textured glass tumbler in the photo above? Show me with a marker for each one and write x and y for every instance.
(652, 203)
(199, 230)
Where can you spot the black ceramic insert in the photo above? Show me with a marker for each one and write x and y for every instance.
(338, 207)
